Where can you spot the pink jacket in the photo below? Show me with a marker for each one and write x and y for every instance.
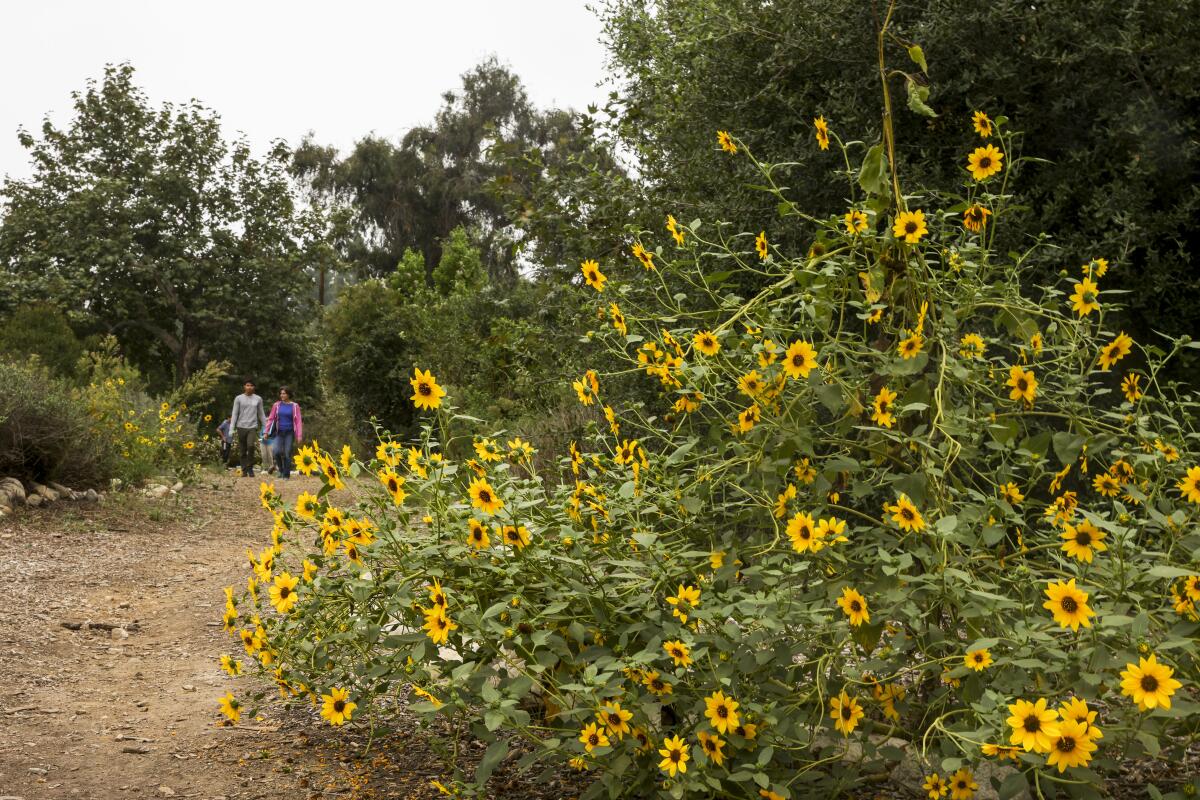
(297, 422)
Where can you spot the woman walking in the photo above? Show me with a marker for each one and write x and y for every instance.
(286, 425)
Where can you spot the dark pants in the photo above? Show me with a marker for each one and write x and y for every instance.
(247, 443)
(284, 442)
(226, 447)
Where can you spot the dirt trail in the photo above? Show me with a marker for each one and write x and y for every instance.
(87, 714)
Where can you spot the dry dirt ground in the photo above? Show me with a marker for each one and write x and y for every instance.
(87, 714)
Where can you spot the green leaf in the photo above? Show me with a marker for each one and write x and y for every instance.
(872, 175)
(918, 56)
(918, 96)
(491, 759)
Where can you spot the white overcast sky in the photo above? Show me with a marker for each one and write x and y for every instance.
(276, 69)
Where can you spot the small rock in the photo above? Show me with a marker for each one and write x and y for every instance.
(187, 687)
(38, 771)
(135, 749)
(166, 791)
(91, 495)
(119, 633)
(178, 487)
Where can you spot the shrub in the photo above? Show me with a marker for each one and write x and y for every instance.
(41, 330)
(890, 508)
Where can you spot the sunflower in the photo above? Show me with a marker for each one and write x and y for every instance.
(760, 246)
(856, 221)
(306, 505)
(882, 414)
(982, 124)
(484, 497)
(1086, 298)
(488, 450)
(971, 346)
(592, 275)
(655, 684)
(1082, 541)
(846, 712)
(911, 347)
(1011, 493)
(337, 707)
(711, 744)
(477, 534)
(1024, 384)
(1077, 710)
(748, 418)
(283, 592)
(985, 162)
(437, 625)
(1191, 586)
(310, 569)
(1034, 726)
(721, 711)
(426, 392)
(706, 343)
(674, 229)
(975, 218)
(1149, 683)
(305, 461)
(855, 606)
(1106, 485)
(615, 718)
(593, 736)
(906, 515)
(515, 535)
(802, 530)
(935, 786)
(910, 226)
(394, 485)
(1068, 605)
(978, 660)
(687, 597)
(587, 388)
(726, 142)
(675, 756)
(679, 652)
(618, 319)
(1189, 485)
(1073, 747)
(231, 666)
(643, 255)
(230, 707)
(751, 384)
(1131, 387)
(1115, 350)
(800, 359)
(963, 785)
(822, 132)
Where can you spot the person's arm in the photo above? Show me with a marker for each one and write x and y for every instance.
(262, 417)
(234, 415)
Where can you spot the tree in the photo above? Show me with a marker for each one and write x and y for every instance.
(147, 224)
(42, 330)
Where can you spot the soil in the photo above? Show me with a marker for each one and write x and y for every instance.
(89, 713)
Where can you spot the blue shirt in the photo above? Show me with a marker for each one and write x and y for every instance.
(284, 418)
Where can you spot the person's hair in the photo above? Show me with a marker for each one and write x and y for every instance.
(286, 389)
(249, 381)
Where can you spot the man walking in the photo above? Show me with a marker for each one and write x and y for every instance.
(247, 417)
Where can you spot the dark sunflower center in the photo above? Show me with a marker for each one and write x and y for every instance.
(722, 712)
(1022, 384)
(593, 740)
(339, 706)
(1032, 723)
(805, 533)
(797, 361)
(614, 720)
(985, 162)
(1149, 683)
(910, 227)
(284, 592)
(425, 389)
(1066, 744)
(676, 755)
(485, 496)
(1083, 538)
(960, 783)
(978, 658)
(855, 606)
(709, 745)
(656, 685)
(1069, 605)
(907, 513)
(846, 712)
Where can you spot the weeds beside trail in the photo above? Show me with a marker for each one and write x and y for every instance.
(87, 714)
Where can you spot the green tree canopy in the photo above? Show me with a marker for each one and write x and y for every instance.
(146, 223)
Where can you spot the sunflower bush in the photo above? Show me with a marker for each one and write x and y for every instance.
(888, 517)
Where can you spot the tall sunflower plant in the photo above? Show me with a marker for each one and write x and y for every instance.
(889, 517)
